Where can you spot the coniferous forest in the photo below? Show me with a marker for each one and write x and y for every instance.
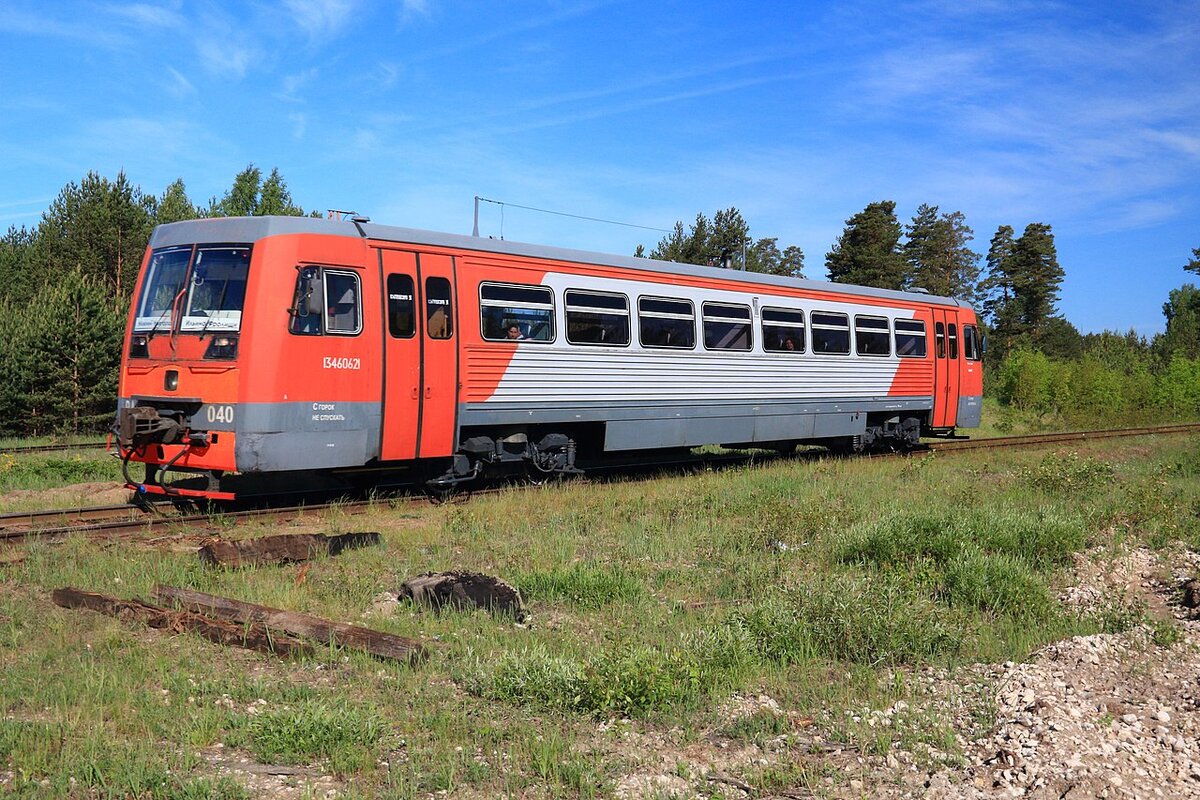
(65, 288)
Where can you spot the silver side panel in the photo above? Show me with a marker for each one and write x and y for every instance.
(652, 424)
(310, 435)
(970, 412)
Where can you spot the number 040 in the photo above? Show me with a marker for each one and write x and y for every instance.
(220, 413)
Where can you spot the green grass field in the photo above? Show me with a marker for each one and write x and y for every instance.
(823, 584)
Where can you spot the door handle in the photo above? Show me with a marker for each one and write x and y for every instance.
(428, 392)
(414, 393)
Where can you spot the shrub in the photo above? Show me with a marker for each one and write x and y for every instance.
(1069, 473)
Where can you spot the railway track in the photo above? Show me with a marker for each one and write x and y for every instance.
(123, 521)
(1058, 438)
(50, 448)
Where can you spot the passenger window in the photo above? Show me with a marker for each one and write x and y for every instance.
(871, 336)
(343, 302)
(783, 330)
(953, 340)
(516, 313)
(910, 338)
(726, 327)
(597, 318)
(970, 343)
(830, 332)
(402, 308)
(439, 309)
(939, 339)
(666, 323)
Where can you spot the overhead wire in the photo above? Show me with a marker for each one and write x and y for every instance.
(502, 204)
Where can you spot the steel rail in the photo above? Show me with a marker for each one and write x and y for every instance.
(1056, 438)
(50, 448)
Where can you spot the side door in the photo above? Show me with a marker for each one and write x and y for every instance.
(946, 368)
(439, 384)
(420, 398)
(401, 356)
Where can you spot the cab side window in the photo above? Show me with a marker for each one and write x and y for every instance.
(343, 309)
(326, 301)
(971, 343)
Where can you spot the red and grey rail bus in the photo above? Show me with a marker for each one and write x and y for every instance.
(285, 344)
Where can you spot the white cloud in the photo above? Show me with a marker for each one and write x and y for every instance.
(145, 15)
(414, 8)
(179, 85)
(299, 125)
(13, 20)
(292, 84)
(320, 19)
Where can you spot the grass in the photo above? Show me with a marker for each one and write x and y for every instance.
(46, 471)
(823, 583)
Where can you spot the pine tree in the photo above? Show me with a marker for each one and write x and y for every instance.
(275, 199)
(998, 301)
(1021, 289)
(765, 256)
(16, 269)
(242, 198)
(251, 196)
(99, 227)
(65, 362)
(1036, 276)
(174, 205)
(868, 251)
(725, 241)
(1193, 264)
(938, 257)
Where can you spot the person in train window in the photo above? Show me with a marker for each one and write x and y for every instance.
(514, 331)
(789, 343)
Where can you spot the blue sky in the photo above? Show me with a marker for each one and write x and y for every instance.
(1082, 115)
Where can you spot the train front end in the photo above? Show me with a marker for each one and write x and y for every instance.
(179, 371)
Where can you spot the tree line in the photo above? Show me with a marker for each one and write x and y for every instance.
(65, 287)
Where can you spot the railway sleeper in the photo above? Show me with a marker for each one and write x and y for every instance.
(550, 456)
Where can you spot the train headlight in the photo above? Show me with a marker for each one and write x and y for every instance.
(223, 348)
(139, 346)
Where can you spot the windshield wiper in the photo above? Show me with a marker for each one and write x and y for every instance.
(219, 306)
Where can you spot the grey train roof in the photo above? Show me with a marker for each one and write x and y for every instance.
(251, 229)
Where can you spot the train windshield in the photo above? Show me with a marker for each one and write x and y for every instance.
(217, 290)
(205, 286)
